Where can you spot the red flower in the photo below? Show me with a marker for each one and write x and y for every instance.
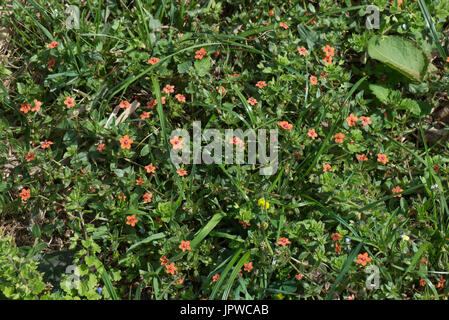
(339, 137)
(30, 156)
(126, 142)
(185, 245)
(169, 89)
(381, 157)
(261, 84)
(352, 120)
(200, 54)
(145, 115)
(139, 181)
(302, 51)
(311, 133)
(248, 266)
(363, 259)
(180, 97)
(337, 248)
(313, 80)
(125, 104)
(397, 190)
(283, 241)
(329, 51)
(25, 107)
(153, 61)
(362, 157)
(46, 144)
(150, 169)
(100, 147)
(252, 101)
(365, 120)
(327, 167)
(147, 197)
(285, 125)
(69, 102)
(132, 220)
(25, 194)
(216, 277)
(51, 63)
(171, 268)
(37, 105)
(176, 142)
(52, 45)
(164, 261)
(283, 25)
(336, 236)
(181, 172)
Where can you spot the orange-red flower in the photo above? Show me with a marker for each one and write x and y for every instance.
(100, 147)
(185, 245)
(176, 142)
(200, 54)
(51, 63)
(327, 59)
(145, 115)
(147, 197)
(180, 97)
(271, 13)
(221, 90)
(327, 167)
(382, 157)
(150, 169)
(25, 194)
(30, 156)
(181, 172)
(162, 101)
(285, 125)
(339, 137)
(125, 104)
(126, 142)
(329, 51)
(363, 259)
(337, 247)
(302, 51)
(216, 277)
(362, 157)
(53, 45)
(336, 237)
(352, 120)
(153, 61)
(234, 75)
(69, 102)
(283, 241)
(261, 84)
(139, 181)
(447, 59)
(46, 144)
(365, 120)
(248, 266)
(37, 105)
(25, 107)
(132, 220)
(397, 190)
(171, 269)
(441, 282)
(311, 133)
(163, 260)
(299, 276)
(252, 101)
(313, 80)
(169, 89)
(283, 25)
(422, 283)
(121, 196)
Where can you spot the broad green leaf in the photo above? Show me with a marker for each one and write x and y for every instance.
(399, 54)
